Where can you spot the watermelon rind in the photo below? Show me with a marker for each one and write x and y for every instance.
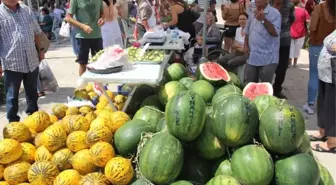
(152, 100)
(223, 180)
(234, 80)
(202, 76)
(181, 182)
(204, 89)
(250, 89)
(176, 71)
(263, 101)
(169, 90)
(305, 146)
(196, 169)
(187, 81)
(149, 114)
(224, 168)
(326, 178)
(162, 126)
(225, 91)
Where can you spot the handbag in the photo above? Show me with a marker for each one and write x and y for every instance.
(65, 29)
(333, 70)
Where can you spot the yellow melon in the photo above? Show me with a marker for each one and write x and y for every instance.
(105, 114)
(62, 159)
(59, 110)
(120, 106)
(90, 117)
(118, 118)
(93, 95)
(98, 134)
(25, 183)
(53, 118)
(76, 141)
(38, 121)
(72, 111)
(101, 105)
(38, 140)
(17, 131)
(10, 151)
(119, 171)
(28, 152)
(54, 137)
(103, 98)
(2, 168)
(120, 99)
(67, 177)
(42, 154)
(95, 178)
(89, 87)
(101, 153)
(42, 173)
(3, 183)
(100, 122)
(76, 123)
(81, 161)
(85, 109)
(16, 173)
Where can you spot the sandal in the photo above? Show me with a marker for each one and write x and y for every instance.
(41, 94)
(314, 138)
(318, 148)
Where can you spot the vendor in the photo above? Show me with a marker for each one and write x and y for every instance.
(146, 17)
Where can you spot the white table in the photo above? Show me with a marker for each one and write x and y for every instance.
(168, 45)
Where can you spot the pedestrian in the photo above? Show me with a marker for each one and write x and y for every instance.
(286, 9)
(262, 42)
(298, 32)
(326, 100)
(146, 17)
(89, 17)
(321, 25)
(199, 22)
(20, 55)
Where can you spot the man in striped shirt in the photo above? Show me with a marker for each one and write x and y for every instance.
(20, 55)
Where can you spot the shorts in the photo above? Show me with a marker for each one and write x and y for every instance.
(85, 45)
(296, 46)
(230, 31)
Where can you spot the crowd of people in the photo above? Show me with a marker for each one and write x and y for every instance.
(264, 35)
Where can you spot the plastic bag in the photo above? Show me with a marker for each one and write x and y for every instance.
(47, 78)
(65, 30)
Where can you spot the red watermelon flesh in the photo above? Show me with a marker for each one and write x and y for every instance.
(253, 90)
(214, 72)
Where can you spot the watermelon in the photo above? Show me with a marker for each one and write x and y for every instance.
(204, 89)
(139, 182)
(152, 100)
(139, 95)
(253, 90)
(162, 126)
(263, 101)
(253, 165)
(169, 90)
(326, 178)
(305, 145)
(176, 71)
(161, 158)
(187, 81)
(223, 180)
(207, 144)
(224, 168)
(235, 121)
(212, 72)
(185, 115)
(128, 136)
(181, 182)
(297, 169)
(149, 114)
(281, 128)
(234, 80)
(196, 169)
(225, 91)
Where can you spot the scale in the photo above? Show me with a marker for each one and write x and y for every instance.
(155, 38)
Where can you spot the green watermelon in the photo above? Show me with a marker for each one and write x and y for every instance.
(152, 100)
(128, 136)
(187, 81)
(207, 144)
(181, 182)
(139, 182)
(185, 115)
(139, 95)
(225, 91)
(263, 101)
(305, 145)
(196, 169)
(252, 165)
(169, 90)
(161, 158)
(235, 121)
(297, 169)
(223, 180)
(176, 71)
(281, 128)
(161, 126)
(224, 168)
(150, 114)
(234, 80)
(326, 178)
(204, 89)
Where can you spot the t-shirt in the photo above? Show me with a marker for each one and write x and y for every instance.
(298, 28)
(239, 38)
(87, 12)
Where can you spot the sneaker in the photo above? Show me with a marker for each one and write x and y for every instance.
(309, 108)
(280, 95)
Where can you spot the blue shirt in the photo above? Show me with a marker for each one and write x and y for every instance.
(17, 39)
(264, 48)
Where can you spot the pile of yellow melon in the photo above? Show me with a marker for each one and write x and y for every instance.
(71, 147)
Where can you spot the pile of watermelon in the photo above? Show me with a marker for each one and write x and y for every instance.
(210, 130)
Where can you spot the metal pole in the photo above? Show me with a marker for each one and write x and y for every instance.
(205, 11)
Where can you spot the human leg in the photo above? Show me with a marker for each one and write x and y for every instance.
(224, 60)
(83, 55)
(237, 61)
(298, 47)
(251, 74)
(30, 85)
(291, 52)
(12, 85)
(281, 70)
(73, 40)
(266, 73)
(96, 45)
(227, 43)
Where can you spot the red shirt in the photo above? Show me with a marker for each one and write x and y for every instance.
(298, 28)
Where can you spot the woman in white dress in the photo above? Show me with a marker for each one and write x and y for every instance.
(111, 32)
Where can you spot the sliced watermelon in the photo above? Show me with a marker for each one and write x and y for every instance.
(213, 72)
(253, 90)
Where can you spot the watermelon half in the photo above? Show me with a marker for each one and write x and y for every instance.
(253, 90)
(213, 72)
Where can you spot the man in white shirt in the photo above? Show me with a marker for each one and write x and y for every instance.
(57, 12)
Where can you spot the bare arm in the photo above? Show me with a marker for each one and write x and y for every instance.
(69, 18)
(270, 28)
(237, 46)
(174, 16)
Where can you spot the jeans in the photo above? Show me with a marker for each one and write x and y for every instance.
(12, 85)
(314, 52)
(73, 40)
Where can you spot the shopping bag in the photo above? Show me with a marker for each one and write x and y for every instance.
(47, 78)
(65, 29)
